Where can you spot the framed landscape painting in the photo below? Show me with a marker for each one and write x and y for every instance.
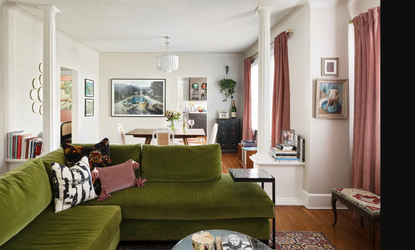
(138, 97)
(332, 98)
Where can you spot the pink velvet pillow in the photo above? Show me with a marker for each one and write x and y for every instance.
(117, 177)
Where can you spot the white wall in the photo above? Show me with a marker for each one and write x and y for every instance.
(22, 40)
(143, 65)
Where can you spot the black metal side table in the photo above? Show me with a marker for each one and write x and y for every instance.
(256, 175)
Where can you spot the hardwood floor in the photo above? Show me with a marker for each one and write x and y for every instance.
(346, 235)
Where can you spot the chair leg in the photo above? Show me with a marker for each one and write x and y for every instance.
(333, 206)
(372, 235)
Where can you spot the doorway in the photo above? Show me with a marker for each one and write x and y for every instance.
(66, 83)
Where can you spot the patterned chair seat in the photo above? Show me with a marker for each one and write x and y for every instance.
(365, 203)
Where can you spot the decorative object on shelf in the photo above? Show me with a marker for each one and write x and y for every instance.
(173, 117)
(36, 94)
(330, 66)
(89, 88)
(223, 114)
(167, 61)
(198, 90)
(332, 98)
(287, 136)
(89, 107)
(233, 110)
(228, 85)
(138, 97)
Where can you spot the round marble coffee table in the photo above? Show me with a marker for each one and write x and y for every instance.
(186, 243)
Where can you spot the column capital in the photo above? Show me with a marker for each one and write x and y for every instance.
(49, 8)
(264, 11)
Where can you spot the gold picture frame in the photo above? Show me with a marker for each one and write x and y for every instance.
(330, 66)
(332, 98)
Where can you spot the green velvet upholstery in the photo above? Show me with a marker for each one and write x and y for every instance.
(24, 193)
(93, 228)
(181, 163)
(211, 200)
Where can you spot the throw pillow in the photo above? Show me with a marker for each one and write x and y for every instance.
(72, 186)
(98, 154)
(117, 177)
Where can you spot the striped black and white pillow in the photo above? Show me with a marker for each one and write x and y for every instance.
(71, 186)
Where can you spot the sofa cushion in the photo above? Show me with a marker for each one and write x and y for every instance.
(86, 227)
(24, 193)
(98, 154)
(117, 177)
(72, 186)
(218, 199)
(179, 163)
(119, 154)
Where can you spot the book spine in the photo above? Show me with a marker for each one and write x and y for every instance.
(19, 147)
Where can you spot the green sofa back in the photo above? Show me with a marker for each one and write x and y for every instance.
(24, 193)
(173, 164)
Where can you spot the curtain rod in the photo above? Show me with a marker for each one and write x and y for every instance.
(290, 32)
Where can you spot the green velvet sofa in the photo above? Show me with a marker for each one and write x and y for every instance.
(185, 192)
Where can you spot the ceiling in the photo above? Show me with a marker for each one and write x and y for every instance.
(140, 25)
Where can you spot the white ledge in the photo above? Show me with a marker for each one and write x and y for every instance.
(265, 159)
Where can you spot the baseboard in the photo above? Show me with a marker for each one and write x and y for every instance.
(289, 202)
(319, 201)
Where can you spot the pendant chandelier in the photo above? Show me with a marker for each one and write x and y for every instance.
(166, 61)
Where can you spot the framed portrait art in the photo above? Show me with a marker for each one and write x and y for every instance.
(138, 97)
(330, 66)
(89, 107)
(89, 88)
(332, 98)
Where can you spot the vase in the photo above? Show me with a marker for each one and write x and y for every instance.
(173, 125)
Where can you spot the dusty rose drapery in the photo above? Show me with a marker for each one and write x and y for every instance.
(247, 123)
(281, 90)
(366, 136)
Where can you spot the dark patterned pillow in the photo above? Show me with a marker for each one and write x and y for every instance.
(72, 186)
(98, 154)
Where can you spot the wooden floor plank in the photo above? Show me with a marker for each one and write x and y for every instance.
(346, 235)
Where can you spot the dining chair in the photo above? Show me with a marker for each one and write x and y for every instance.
(121, 133)
(214, 134)
(163, 137)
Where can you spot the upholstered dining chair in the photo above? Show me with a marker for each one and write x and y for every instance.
(163, 137)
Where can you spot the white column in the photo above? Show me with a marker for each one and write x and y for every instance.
(264, 85)
(51, 98)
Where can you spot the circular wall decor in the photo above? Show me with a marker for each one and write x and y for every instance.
(35, 107)
(40, 94)
(35, 83)
(33, 94)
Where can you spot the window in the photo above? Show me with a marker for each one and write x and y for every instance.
(254, 90)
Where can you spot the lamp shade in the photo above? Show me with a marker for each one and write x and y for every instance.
(167, 63)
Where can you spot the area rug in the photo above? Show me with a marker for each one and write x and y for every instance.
(298, 240)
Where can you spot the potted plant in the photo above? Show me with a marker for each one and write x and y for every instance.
(227, 85)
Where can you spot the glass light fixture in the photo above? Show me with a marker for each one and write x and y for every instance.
(167, 61)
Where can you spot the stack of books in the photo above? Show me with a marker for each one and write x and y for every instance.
(248, 143)
(289, 153)
(21, 145)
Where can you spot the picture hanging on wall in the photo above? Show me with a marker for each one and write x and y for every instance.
(89, 107)
(330, 66)
(332, 98)
(89, 88)
(138, 97)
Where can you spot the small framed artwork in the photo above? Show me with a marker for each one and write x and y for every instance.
(332, 98)
(287, 136)
(330, 66)
(89, 88)
(89, 107)
(223, 114)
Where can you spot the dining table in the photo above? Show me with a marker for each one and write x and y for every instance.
(147, 133)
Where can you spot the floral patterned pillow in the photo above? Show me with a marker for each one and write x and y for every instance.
(98, 154)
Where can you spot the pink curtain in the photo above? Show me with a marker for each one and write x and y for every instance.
(366, 136)
(281, 91)
(247, 123)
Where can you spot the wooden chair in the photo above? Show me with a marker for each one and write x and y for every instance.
(121, 133)
(365, 203)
